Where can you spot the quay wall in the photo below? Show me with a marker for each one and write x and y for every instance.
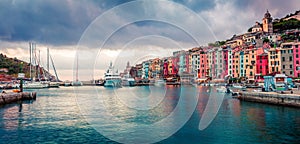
(6, 98)
(271, 98)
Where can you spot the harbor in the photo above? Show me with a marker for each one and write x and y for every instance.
(56, 117)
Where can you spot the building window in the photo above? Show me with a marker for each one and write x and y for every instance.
(291, 58)
(297, 56)
(283, 66)
(291, 72)
(283, 58)
(297, 62)
(291, 66)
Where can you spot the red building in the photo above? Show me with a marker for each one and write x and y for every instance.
(262, 64)
(203, 68)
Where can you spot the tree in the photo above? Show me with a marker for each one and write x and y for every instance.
(266, 40)
(250, 29)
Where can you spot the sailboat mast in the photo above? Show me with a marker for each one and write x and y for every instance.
(54, 68)
(48, 61)
(30, 52)
(77, 69)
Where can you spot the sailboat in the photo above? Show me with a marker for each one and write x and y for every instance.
(52, 84)
(77, 82)
(33, 84)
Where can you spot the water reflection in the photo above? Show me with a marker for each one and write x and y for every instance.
(56, 118)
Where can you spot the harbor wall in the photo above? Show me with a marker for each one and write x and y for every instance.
(271, 98)
(6, 98)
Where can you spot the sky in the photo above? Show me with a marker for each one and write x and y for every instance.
(97, 32)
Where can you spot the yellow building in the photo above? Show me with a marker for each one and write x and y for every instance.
(274, 57)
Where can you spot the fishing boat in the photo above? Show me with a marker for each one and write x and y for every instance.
(112, 78)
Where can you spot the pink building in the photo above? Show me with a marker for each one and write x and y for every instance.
(296, 56)
(262, 64)
(175, 66)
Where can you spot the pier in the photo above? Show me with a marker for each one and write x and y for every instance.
(286, 99)
(6, 98)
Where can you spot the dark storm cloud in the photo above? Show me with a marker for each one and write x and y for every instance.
(53, 21)
(62, 22)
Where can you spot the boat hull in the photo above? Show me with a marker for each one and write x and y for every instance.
(112, 83)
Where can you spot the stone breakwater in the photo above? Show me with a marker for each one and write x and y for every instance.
(271, 98)
(6, 98)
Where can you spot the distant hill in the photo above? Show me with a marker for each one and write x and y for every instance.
(284, 25)
(13, 66)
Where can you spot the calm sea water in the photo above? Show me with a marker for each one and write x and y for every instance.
(57, 117)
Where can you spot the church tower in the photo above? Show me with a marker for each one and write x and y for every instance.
(267, 23)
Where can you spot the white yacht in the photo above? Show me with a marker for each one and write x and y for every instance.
(34, 85)
(112, 78)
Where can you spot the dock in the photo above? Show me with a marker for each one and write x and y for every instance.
(286, 99)
(7, 98)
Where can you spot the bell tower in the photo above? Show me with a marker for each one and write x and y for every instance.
(267, 23)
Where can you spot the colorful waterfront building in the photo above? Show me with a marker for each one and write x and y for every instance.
(225, 62)
(236, 64)
(287, 59)
(241, 65)
(274, 58)
(175, 66)
(219, 62)
(211, 63)
(250, 61)
(296, 56)
(229, 61)
(145, 70)
(262, 66)
(203, 69)
(194, 62)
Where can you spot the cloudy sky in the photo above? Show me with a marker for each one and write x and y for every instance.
(100, 31)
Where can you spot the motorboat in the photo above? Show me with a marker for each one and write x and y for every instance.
(112, 78)
(128, 81)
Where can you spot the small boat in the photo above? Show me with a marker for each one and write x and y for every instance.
(223, 90)
(159, 82)
(54, 85)
(33, 85)
(128, 81)
(67, 83)
(238, 86)
(76, 83)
